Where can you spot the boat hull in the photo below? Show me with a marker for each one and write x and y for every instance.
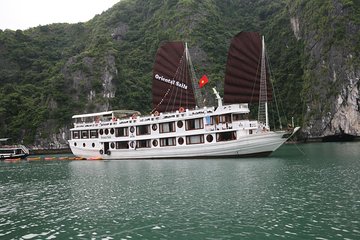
(262, 144)
(13, 156)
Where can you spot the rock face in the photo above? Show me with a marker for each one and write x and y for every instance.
(79, 75)
(332, 86)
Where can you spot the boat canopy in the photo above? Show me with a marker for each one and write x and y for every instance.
(4, 139)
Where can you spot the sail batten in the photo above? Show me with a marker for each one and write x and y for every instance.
(243, 69)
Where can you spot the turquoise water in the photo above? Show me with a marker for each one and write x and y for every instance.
(311, 193)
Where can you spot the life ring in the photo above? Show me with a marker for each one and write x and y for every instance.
(101, 151)
(156, 113)
(132, 144)
(154, 127)
(108, 152)
(181, 109)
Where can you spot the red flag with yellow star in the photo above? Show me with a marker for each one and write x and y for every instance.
(203, 81)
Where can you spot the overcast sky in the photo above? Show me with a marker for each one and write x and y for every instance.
(23, 14)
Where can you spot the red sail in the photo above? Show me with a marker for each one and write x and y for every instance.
(172, 86)
(243, 69)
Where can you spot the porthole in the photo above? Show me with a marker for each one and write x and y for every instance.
(132, 129)
(112, 131)
(75, 144)
(155, 143)
(106, 131)
(154, 127)
(132, 144)
(181, 140)
(84, 145)
(209, 138)
(180, 124)
(112, 145)
(93, 145)
(101, 131)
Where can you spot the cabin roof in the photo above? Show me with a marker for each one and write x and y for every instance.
(115, 112)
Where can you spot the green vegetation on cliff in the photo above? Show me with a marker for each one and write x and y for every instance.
(49, 73)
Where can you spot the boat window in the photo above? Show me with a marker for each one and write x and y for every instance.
(208, 120)
(121, 132)
(226, 118)
(209, 138)
(132, 129)
(215, 119)
(225, 136)
(180, 124)
(193, 124)
(155, 143)
(240, 116)
(85, 134)
(142, 143)
(122, 145)
(94, 133)
(167, 127)
(195, 139)
(167, 142)
(6, 151)
(106, 131)
(75, 134)
(143, 130)
(181, 140)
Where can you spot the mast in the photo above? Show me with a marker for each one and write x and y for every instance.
(263, 101)
(198, 96)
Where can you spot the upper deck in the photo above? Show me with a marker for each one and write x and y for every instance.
(130, 117)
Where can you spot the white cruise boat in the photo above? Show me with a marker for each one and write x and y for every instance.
(12, 151)
(180, 126)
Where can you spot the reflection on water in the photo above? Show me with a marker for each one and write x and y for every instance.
(288, 195)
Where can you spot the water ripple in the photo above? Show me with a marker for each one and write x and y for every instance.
(188, 199)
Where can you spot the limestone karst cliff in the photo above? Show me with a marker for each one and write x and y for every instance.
(49, 73)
